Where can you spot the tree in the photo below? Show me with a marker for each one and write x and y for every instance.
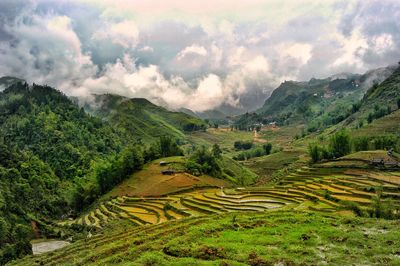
(398, 102)
(207, 161)
(370, 118)
(267, 148)
(168, 147)
(216, 150)
(314, 152)
(340, 144)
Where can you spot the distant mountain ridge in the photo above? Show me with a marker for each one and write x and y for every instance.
(291, 94)
(142, 119)
(317, 103)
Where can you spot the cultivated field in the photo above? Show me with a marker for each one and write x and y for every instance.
(320, 189)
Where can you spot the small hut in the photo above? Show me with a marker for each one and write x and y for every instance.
(378, 161)
(168, 172)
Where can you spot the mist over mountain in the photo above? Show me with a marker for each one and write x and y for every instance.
(212, 56)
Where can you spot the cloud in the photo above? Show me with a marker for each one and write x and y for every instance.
(192, 54)
(123, 33)
(192, 50)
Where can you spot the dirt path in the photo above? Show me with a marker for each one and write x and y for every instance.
(257, 137)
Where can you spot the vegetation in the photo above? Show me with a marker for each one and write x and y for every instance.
(204, 161)
(130, 163)
(143, 121)
(312, 201)
(56, 160)
(243, 145)
(256, 152)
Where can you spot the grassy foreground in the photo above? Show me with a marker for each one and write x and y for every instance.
(280, 237)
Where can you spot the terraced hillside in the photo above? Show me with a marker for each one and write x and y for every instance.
(281, 237)
(322, 189)
(154, 210)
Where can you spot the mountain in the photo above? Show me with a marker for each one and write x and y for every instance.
(380, 100)
(317, 102)
(313, 96)
(5, 82)
(49, 149)
(56, 159)
(211, 115)
(143, 120)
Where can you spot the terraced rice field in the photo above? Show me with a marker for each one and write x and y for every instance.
(324, 188)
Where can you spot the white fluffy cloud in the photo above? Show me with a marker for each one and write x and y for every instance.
(193, 54)
(124, 33)
(192, 50)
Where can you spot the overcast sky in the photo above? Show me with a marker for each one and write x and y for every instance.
(193, 54)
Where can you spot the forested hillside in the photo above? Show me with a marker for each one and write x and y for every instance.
(380, 100)
(143, 120)
(318, 102)
(55, 159)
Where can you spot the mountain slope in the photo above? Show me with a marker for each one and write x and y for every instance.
(143, 120)
(48, 149)
(317, 103)
(299, 101)
(378, 102)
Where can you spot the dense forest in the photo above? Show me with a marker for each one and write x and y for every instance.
(55, 159)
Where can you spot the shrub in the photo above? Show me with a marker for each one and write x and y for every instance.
(216, 150)
(150, 259)
(243, 145)
(267, 148)
(256, 152)
(314, 151)
(340, 144)
(204, 160)
(210, 253)
(193, 168)
(361, 144)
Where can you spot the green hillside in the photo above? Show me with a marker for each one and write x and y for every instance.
(49, 147)
(318, 102)
(305, 214)
(143, 120)
(379, 101)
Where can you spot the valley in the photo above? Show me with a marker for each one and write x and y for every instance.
(156, 187)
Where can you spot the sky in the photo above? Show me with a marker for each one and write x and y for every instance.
(193, 54)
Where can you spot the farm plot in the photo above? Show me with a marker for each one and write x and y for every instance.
(315, 188)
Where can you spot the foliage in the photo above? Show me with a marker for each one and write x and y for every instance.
(383, 142)
(216, 150)
(168, 147)
(55, 159)
(256, 152)
(314, 151)
(143, 121)
(203, 161)
(243, 145)
(117, 169)
(340, 144)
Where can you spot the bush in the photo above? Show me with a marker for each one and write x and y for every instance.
(361, 144)
(267, 148)
(340, 144)
(256, 152)
(204, 161)
(243, 145)
(314, 151)
(193, 168)
(152, 259)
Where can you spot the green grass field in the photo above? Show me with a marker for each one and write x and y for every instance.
(276, 237)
